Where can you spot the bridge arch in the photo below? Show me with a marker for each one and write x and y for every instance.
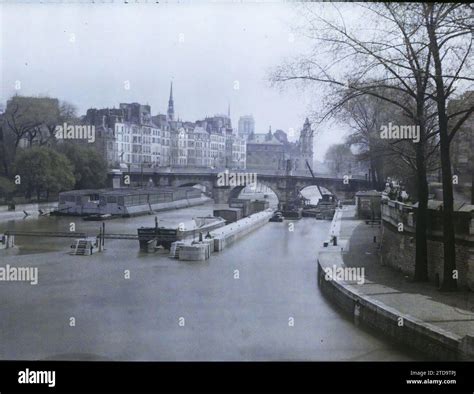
(316, 193)
(204, 186)
(286, 187)
(272, 191)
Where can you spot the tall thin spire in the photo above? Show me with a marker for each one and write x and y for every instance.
(228, 111)
(171, 104)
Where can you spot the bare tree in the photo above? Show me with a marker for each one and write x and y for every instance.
(19, 121)
(366, 115)
(389, 61)
(65, 112)
(450, 29)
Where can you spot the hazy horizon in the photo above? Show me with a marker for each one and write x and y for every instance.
(88, 53)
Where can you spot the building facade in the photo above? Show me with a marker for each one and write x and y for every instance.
(236, 152)
(265, 152)
(246, 126)
(301, 151)
(130, 135)
(273, 151)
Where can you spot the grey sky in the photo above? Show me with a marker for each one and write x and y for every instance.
(85, 53)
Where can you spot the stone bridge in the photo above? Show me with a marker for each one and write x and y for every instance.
(222, 187)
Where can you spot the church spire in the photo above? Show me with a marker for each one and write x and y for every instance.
(171, 104)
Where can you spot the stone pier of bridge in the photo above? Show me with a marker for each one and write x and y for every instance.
(286, 187)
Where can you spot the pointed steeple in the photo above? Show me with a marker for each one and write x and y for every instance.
(171, 104)
(268, 137)
(228, 111)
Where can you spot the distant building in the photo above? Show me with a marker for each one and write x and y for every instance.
(219, 128)
(105, 120)
(265, 152)
(136, 113)
(246, 126)
(218, 124)
(179, 147)
(125, 135)
(199, 151)
(163, 138)
(306, 143)
(217, 150)
(272, 151)
(236, 152)
(130, 135)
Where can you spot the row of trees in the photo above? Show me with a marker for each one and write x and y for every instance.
(40, 171)
(366, 115)
(33, 162)
(31, 120)
(401, 62)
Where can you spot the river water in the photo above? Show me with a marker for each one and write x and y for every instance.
(126, 305)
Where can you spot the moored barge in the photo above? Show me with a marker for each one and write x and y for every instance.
(165, 236)
(98, 204)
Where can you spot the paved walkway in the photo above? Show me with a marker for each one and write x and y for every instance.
(452, 312)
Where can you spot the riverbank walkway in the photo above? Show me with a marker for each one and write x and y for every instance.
(452, 311)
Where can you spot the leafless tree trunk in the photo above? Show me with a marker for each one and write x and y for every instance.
(446, 24)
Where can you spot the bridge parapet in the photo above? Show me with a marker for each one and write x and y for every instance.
(285, 186)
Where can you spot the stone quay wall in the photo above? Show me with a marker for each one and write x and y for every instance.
(398, 242)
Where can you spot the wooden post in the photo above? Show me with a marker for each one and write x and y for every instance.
(100, 239)
(103, 235)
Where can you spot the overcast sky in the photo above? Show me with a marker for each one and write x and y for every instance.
(87, 53)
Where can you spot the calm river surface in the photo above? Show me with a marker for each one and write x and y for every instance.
(222, 318)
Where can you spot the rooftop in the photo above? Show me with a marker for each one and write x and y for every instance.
(264, 139)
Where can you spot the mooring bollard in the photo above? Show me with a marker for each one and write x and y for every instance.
(357, 313)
